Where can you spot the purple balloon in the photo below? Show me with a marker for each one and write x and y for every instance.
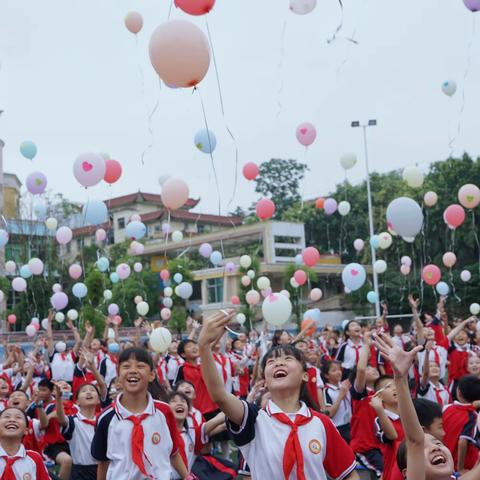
(205, 250)
(113, 309)
(59, 300)
(165, 228)
(472, 5)
(36, 183)
(230, 267)
(330, 206)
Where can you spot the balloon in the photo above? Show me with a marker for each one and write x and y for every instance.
(103, 264)
(405, 270)
(405, 216)
(3, 237)
(353, 276)
(114, 277)
(372, 297)
(179, 53)
(59, 317)
(11, 319)
(265, 209)
(306, 134)
(449, 88)
(138, 299)
(276, 309)
(117, 320)
(406, 260)
(344, 208)
(311, 256)
(241, 318)
(100, 235)
(302, 7)
(348, 160)
(294, 283)
(235, 300)
(113, 309)
(138, 267)
(160, 339)
(216, 257)
(380, 266)
(75, 271)
(449, 259)
(246, 281)
(263, 283)
(164, 274)
(165, 313)
(30, 330)
(442, 288)
(25, 271)
(251, 274)
(230, 267)
(384, 240)
(137, 247)
(89, 169)
(134, 23)
(250, 171)
(205, 141)
(45, 323)
(195, 7)
(330, 206)
(473, 6)
(28, 149)
(123, 271)
(72, 314)
(135, 218)
(430, 199)
(205, 250)
(465, 276)
(474, 308)
(142, 308)
(308, 326)
(184, 290)
(19, 284)
(178, 278)
(59, 300)
(36, 183)
(95, 212)
(177, 236)
(36, 266)
(10, 266)
(413, 176)
(107, 294)
(174, 193)
(431, 274)
(51, 223)
(252, 297)
(245, 261)
(56, 287)
(358, 244)
(454, 216)
(80, 290)
(136, 230)
(167, 302)
(286, 293)
(315, 294)
(469, 195)
(298, 259)
(319, 203)
(63, 235)
(300, 277)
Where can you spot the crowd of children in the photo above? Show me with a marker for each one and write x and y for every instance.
(396, 404)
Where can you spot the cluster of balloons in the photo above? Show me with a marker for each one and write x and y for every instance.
(406, 265)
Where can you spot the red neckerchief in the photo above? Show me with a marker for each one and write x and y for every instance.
(8, 473)
(138, 437)
(222, 361)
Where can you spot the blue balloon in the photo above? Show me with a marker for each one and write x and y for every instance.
(442, 288)
(113, 347)
(372, 297)
(205, 141)
(114, 277)
(80, 290)
(313, 314)
(136, 230)
(103, 264)
(178, 278)
(25, 271)
(299, 259)
(3, 237)
(40, 210)
(354, 276)
(216, 257)
(375, 242)
(28, 149)
(95, 212)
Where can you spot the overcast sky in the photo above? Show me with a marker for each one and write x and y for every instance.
(70, 81)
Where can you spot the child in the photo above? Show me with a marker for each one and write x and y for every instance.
(136, 437)
(187, 388)
(286, 437)
(430, 417)
(349, 352)
(15, 460)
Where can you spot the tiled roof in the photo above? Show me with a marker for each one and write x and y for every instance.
(142, 196)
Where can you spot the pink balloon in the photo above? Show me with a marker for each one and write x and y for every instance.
(265, 209)
(306, 134)
(316, 294)
(138, 299)
(64, 235)
(454, 216)
(358, 244)
(59, 300)
(137, 247)
(300, 277)
(117, 320)
(100, 235)
(89, 169)
(164, 275)
(113, 171)
(36, 326)
(123, 271)
(235, 300)
(30, 330)
(330, 206)
(405, 269)
(252, 297)
(195, 7)
(165, 313)
(205, 250)
(135, 218)
(75, 271)
(134, 23)
(311, 256)
(179, 53)
(246, 281)
(12, 319)
(430, 199)
(431, 274)
(250, 171)
(449, 259)
(36, 266)
(469, 195)
(174, 193)
(19, 284)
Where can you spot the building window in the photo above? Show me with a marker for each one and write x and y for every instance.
(121, 223)
(215, 290)
(200, 228)
(158, 228)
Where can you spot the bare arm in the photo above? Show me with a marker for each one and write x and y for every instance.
(42, 417)
(89, 334)
(385, 422)
(28, 378)
(62, 419)
(76, 336)
(462, 454)
(455, 331)
(416, 319)
(102, 470)
(177, 463)
(426, 365)
(98, 377)
(50, 344)
(214, 423)
(360, 379)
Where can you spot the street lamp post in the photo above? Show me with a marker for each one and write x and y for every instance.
(371, 123)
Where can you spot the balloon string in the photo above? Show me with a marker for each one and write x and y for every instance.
(170, 9)
(304, 186)
(222, 106)
(280, 67)
(149, 122)
(475, 235)
(166, 234)
(340, 25)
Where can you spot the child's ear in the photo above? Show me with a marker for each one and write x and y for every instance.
(305, 377)
(151, 376)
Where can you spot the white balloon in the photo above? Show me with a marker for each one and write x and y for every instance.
(251, 274)
(384, 240)
(10, 266)
(302, 7)
(474, 308)
(286, 293)
(51, 223)
(59, 317)
(405, 216)
(168, 291)
(107, 294)
(167, 302)
(465, 276)
(142, 308)
(263, 283)
(276, 309)
(294, 283)
(45, 323)
(413, 176)
(245, 261)
(380, 266)
(241, 318)
(348, 160)
(60, 347)
(185, 290)
(358, 244)
(344, 208)
(163, 178)
(449, 88)
(72, 314)
(177, 236)
(160, 339)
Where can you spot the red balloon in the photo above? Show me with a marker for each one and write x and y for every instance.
(235, 300)
(117, 320)
(431, 274)
(164, 274)
(11, 319)
(250, 170)
(300, 277)
(265, 209)
(454, 216)
(320, 202)
(113, 171)
(311, 256)
(195, 7)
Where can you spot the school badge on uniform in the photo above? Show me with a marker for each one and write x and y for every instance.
(315, 446)
(156, 438)
(27, 476)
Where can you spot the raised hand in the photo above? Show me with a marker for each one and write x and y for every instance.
(376, 403)
(214, 326)
(413, 303)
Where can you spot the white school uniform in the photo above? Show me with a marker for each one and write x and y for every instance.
(79, 436)
(344, 412)
(28, 467)
(436, 393)
(173, 363)
(62, 366)
(261, 438)
(348, 354)
(194, 439)
(437, 352)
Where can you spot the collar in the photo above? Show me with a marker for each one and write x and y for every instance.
(332, 387)
(354, 345)
(466, 406)
(21, 452)
(392, 415)
(273, 408)
(83, 417)
(123, 413)
(461, 348)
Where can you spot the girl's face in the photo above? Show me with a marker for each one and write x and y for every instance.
(284, 372)
(179, 407)
(88, 396)
(398, 330)
(12, 424)
(311, 356)
(462, 338)
(302, 346)
(438, 459)
(372, 374)
(354, 330)
(95, 345)
(172, 348)
(429, 333)
(284, 338)
(473, 365)
(434, 370)
(4, 388)
(187, 390)
(334, 374)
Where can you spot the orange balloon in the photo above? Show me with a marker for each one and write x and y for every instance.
(320, 202)
(308, 322)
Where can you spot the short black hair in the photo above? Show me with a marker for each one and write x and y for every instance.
(379, 380)
(469, 387)
(183, 344)
(301, 340)
(174, 394)
(45, 382)
(427, 411)
(83, 385)
(181, 382)
(136, 353)
(15, 408)
(235, 340)
(325, 367)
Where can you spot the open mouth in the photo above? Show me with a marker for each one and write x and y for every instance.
(280, 373)
(179, 409)
(438, 460)
(133, 379)
(11, 427)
